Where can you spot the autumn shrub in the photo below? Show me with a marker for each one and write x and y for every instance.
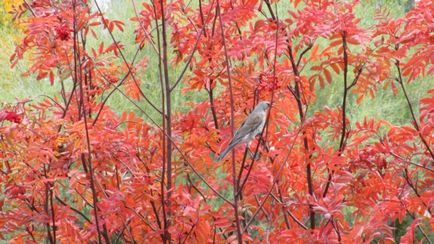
(75, 169)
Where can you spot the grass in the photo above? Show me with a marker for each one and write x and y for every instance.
(12, 84)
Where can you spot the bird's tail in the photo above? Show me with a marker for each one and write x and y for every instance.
(226, 151)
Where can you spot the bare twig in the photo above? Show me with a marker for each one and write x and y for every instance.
(410, 106)
(231, 96)
(275, 180)
(83, 104)
(176, 147)
(202, 30)
(125, 60)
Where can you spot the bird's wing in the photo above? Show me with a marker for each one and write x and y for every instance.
(253, 121)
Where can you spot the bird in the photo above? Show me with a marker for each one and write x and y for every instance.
(249, 129)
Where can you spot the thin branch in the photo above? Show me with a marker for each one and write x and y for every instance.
(290, 214)
(73, 209)
(47, 224)
(212, 105)
(163, 119)
(240, 189)
(413, 116)
(30, 8)
(275, 180)
(231, 96)
(283, 208)
(144, 30)
(303, 53)
(344, 132)
(336, 227)
(141, 217)
(113, 90)
(414, 218)
(356, 78)
(91, 173)
(53, 215)
(413, 187)
(344, 99)
(297, 93)
(125, 60)
(192, 52)
(270, 9)
(409, 162)
(177, 148)
(168, 124)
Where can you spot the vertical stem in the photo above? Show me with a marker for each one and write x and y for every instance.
(53, 217)
(283, 207)
(297, 96)
(240, 174)
(301, 114)
(234, 176)
(270, 9)
(211, 101)
(168, 120)
(344, 99)
(163, 114)
(344, 108)
(202, 18)
(47, 225)
(82, 103)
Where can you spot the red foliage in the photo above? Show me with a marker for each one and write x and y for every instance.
(10, 116)
(75, 170)
(62, 32)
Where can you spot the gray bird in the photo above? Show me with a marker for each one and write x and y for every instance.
(249, 129)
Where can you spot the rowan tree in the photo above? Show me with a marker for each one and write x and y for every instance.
(76, 169)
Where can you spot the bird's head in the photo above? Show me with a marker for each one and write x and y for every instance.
(263, 106)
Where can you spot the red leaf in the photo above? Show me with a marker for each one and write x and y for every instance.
(328, 75)
(10, 116)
